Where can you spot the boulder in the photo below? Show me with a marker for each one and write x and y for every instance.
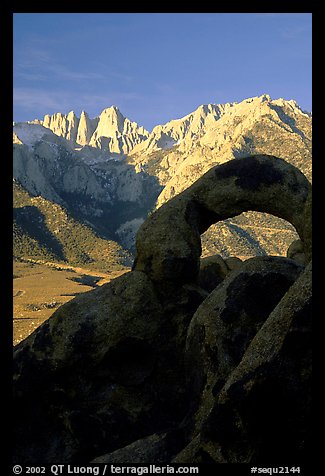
(213, 271)
(232, 262)
(296, 252)
(100, 372)
(228, 319)
(263, 412)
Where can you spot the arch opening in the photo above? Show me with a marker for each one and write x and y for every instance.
(169, 242)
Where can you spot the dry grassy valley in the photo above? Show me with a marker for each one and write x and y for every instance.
(39, 288)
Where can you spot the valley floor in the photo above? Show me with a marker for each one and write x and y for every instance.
(42, 287)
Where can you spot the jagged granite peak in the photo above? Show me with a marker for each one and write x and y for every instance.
(122, 133)
(110, 121)
(188, 127)
(72, 126)
(215, 121)
(294, 106)
(110, 125)
(210, 124)
(110, 131)
(228, 130)
(86, 128)
(63, 125)
(193, 126)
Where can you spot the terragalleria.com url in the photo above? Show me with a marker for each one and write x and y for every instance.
(112, 469)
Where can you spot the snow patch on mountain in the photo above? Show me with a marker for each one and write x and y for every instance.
(29, 133)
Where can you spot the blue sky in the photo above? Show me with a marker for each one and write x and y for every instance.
(157, 66)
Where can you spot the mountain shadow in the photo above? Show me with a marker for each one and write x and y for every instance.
(31, 223)
(102, 194)
(250, 242)
(290, 121)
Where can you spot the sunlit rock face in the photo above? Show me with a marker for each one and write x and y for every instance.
(110, 131)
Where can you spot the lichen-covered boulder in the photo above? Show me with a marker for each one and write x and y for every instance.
(168, 242)
(263, 411)
(100, 372)
(228, 319)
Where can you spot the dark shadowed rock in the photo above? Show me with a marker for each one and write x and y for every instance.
(108, 360)
(228, 319)
(158, 448)
(232, 262)
(213, 271)
(263, 411)
(296, 252)
(307, 232)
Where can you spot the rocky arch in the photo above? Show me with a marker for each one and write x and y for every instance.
(168, 243)
(129, 359)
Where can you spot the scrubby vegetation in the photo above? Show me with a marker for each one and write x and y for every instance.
(44, 230)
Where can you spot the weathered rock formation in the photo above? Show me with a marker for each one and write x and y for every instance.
(158, 367)
(263, 411)
(110, 131)
(168, 243)
(228, 319)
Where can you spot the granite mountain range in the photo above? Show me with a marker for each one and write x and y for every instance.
(108, 173)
